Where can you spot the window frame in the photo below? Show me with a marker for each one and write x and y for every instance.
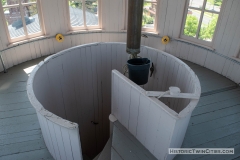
(85, 27)
(202, 10)
(26, 36)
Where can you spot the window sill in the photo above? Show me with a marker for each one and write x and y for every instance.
(150, 33)
(27, 40)
(195, 44)
(85, 31)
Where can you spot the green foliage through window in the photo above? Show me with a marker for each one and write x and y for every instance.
(206, 31)
(191, 26)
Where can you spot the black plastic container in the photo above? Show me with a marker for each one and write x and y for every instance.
(138, 70)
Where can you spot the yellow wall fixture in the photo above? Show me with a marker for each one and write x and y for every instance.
(165, 40)
(59, 38)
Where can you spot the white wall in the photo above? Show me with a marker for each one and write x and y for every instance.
(227, 42)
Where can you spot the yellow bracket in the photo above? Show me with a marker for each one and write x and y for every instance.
(59, 38)
(165, 40)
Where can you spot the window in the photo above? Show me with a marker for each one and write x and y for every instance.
(150, 12)
(22, 19)
(149, 15)
(200, 22)
(84, 14)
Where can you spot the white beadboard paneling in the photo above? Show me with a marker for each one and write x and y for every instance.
(133, 111)
(152, 55)
(219, 64)
(162, 17)
(178, 18)
(75, 144)
(1, 66)
(143, 117)
(233, 29)
(224, 20)
(58, 46)
(60, 143)
(201, 56)
(150, 123)
(4, 58)
(225, 67)
(68, 90)
(54, 139)
(46, 16)
(67, 143)
(54, 69)
(32, 50)
(208, 60)
(62, 15)
(234, 76)
(9, 58)
(37, 49)
(152, 126)
(55, 16)
(172, 9)
(226, 39)
(49, 138)
(46, 138)
(46, 50)
(3, 35)
(230, 70)
(184, 51)
(28, 54)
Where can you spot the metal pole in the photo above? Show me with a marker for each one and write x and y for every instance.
(135, 12)
(5, 70)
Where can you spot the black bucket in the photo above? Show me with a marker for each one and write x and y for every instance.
(138, 70)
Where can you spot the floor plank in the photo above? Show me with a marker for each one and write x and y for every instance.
(225, 142)
(215, 123)
(20, 133)
(42, 154)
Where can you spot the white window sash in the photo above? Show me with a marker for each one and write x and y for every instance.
(26, 36)
(85, 26)
(203, 10)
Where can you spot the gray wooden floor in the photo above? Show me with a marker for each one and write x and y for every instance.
(20, 134)
(214, 123)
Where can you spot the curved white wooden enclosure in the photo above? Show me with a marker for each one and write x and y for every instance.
(74, 85)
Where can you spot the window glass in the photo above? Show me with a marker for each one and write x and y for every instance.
(14, 22)
(213, 5)
(149, 14)
(9, 2)
(84, 13)
(196, 3)
(91, 12)
(76, 13)
(22, 19)
(32, 19)
(208, 26)
(191, 24)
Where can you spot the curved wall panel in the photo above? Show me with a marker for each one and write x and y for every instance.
(75, 84)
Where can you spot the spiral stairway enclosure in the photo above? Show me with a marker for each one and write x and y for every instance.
(74, 85)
